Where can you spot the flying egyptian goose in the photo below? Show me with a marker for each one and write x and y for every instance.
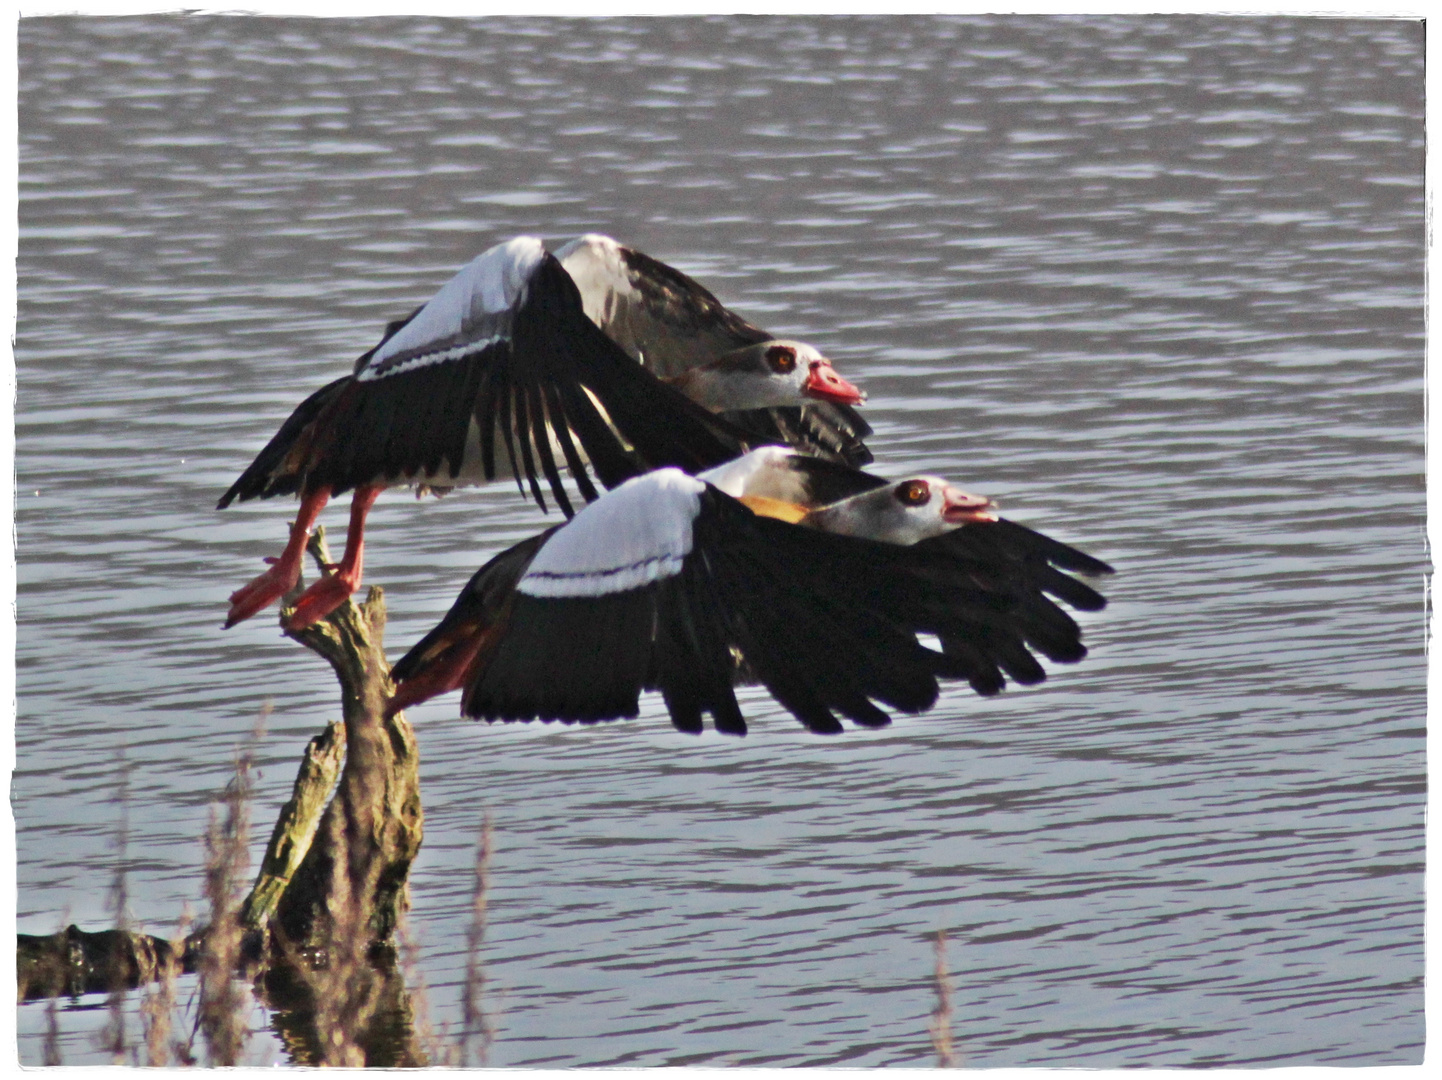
(670, 324)
(505, 354)
(659, 583)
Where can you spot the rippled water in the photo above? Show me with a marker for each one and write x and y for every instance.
(1156, 284)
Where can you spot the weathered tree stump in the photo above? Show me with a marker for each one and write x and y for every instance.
(332, 886)
(371, 830)
(318, 923)
(296, 825)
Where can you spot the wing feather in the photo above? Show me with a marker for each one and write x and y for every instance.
(461, 358)
(544, 430)
(674, 598)
(524, 436)
(562, 427)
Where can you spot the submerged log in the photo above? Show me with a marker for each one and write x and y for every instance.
(74, 961)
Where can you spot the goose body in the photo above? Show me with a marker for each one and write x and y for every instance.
(503, 372)
(665, 580)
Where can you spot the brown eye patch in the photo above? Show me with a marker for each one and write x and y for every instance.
(914, 493)
(781, 359)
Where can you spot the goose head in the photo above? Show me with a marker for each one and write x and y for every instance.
(904, 512)
(766, 375)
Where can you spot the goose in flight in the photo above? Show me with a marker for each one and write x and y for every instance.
(670, 323)
(666, 580)
(503, 372)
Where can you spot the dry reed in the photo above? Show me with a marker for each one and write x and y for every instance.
(476, 1029)
(112, 1036)
(224, 1003)
(50, 1048)
(940, 1025)
(157, 1007)
(429, 1042)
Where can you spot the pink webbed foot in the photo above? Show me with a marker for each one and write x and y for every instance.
(263, 591)
(318, 601)
(284, 572)
(334, 589)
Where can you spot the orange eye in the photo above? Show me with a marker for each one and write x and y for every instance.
(781, 359)
(914, 493)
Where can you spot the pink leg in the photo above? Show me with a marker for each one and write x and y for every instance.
(332, 590)
(284, 572)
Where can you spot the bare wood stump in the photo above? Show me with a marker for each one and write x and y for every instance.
(371, 831)
(296, 825)
(331, 889)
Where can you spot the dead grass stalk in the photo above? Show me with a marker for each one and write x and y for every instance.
(940, 1025)
(118, 902)
(476, 1029)
(224, 1001)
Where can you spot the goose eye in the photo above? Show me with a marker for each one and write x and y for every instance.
(914, 493)
(781, 359)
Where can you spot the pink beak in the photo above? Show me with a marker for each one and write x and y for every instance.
(823, 383)
(962, 508)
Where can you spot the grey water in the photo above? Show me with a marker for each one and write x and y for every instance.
(1155, 284)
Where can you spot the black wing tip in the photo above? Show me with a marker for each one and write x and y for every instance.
(858, 455)
(1062, 556)
(245, 489)
(1066, 557)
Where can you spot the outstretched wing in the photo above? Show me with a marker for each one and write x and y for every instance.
(667, 321)
(666, 582)
(500, 368)
(824, 428)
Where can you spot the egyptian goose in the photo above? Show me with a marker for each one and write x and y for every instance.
(505, 354)
(670, 323)
(665, 579)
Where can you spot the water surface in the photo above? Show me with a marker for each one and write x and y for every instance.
(1154, 284)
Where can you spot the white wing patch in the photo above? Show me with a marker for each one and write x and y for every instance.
(471, 311)
(739, 477)
(633, 535)
(595, 265)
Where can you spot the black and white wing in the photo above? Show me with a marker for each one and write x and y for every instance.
(670, 323)
(500, 372)
(666, 580)
(665, 320)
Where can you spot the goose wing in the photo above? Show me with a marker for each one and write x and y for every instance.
(503, 353)
(1032, 566)
(667, 321)
(665, 581)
